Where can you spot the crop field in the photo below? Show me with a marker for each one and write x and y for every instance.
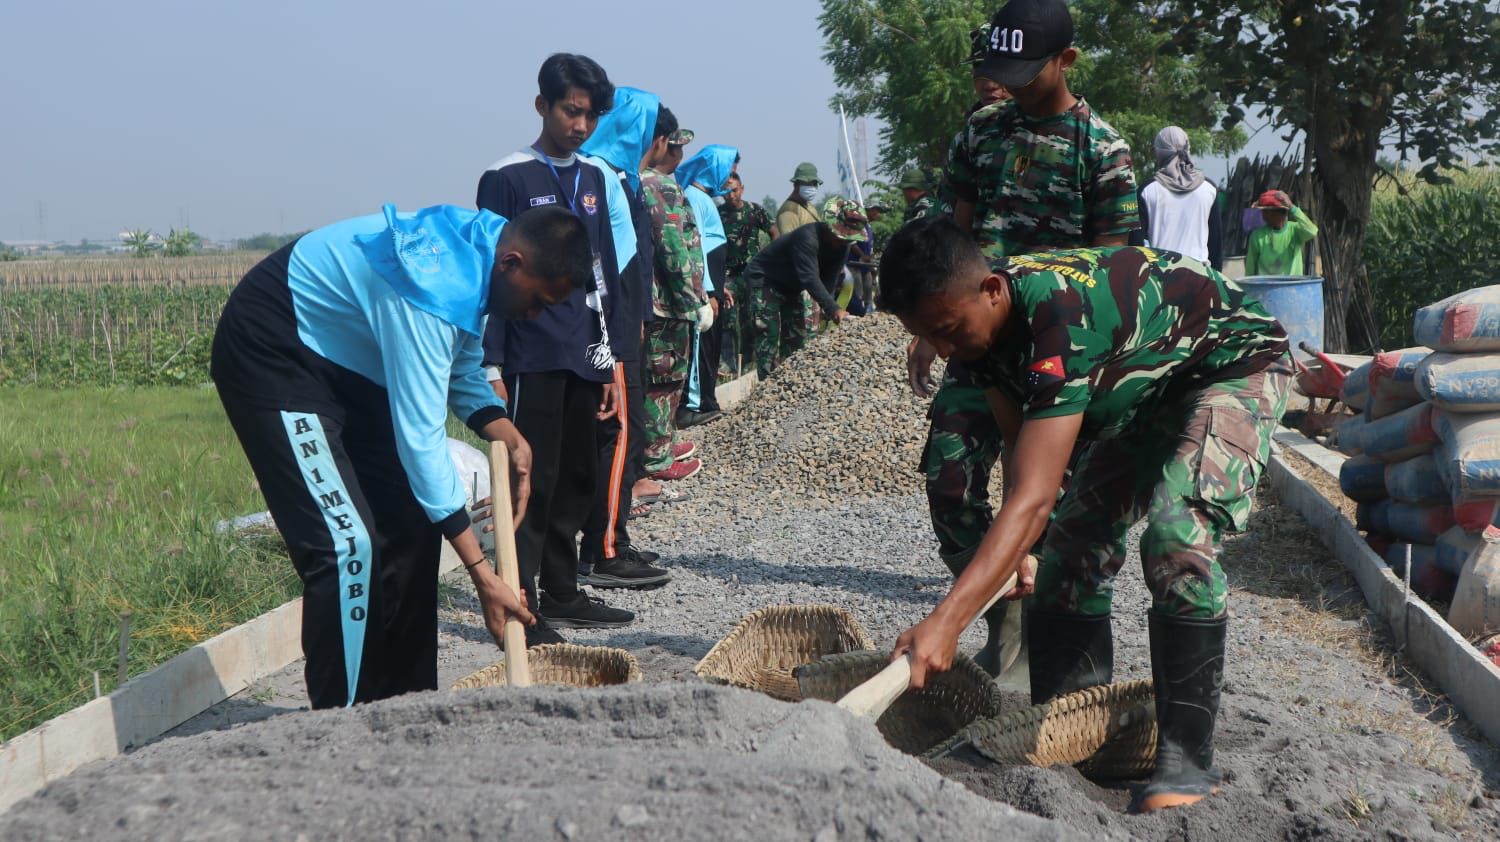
(113, 321)
(108, 505)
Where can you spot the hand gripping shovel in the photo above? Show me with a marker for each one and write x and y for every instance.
(870, 700)
(517, 669)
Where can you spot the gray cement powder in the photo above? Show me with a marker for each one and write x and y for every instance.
(646, 762)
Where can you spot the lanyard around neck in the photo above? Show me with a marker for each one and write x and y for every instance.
(577, 176)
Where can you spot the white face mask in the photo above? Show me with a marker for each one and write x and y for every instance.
(719, 201)
(807, 192)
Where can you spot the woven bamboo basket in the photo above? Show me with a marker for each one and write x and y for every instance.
(920, 719)
(1107, 731)
(566, 664)
(760, 652)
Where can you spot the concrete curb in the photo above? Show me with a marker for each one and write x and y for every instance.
(1469, 679)
(159, 700)
(734, 392)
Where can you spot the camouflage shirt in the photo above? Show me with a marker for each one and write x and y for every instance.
(1042, 183)
(920, 209)
(748, 229)
(677, 291)
(1118, 333)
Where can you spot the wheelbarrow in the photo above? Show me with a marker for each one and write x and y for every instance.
(1323, 379)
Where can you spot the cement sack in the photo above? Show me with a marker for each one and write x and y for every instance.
(1460, 382)
(1363, 479)
(1356, 390)
(1466, 322)
(1453, 549)
(1476, 599)
(1468, 454)
(1347, 436)
(1476, 515)
(1416, 480)
(1401, 436)
(1392, 385)
(1427, 580)
(1421, 524)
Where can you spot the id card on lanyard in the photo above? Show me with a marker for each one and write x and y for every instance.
(599, 353)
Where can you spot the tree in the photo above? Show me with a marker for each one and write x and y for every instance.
(7, 254)
(267, 241)
(182, 243)
(906, 62)
(1353, 76)
(140, 242)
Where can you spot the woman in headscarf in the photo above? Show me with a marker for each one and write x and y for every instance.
(1179, 210)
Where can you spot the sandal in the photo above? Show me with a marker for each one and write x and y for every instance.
(638, 509)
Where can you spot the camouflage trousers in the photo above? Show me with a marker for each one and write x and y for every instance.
(669, 349)
(780, 328)
(963, 442)
(1190, 473)
(739, 330)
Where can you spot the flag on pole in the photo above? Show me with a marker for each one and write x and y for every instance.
(848, 175)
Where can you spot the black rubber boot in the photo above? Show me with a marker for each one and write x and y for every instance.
(1187, 667)
(1068, 652)
(988, 657)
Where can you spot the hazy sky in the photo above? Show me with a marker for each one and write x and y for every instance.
(239, 117)
(236, 117)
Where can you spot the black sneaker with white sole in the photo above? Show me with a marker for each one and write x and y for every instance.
(626, 570)
(585, 612)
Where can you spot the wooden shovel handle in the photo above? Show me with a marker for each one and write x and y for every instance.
(517, 669)
(871, 699)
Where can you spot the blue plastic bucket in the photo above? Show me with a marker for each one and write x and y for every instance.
(1296, 301)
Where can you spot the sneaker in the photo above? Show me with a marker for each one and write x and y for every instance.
(645, 556)
(585, 612)
(541, 634)
(683, 450)
(678, 470)
(627, 571)
(690, 418)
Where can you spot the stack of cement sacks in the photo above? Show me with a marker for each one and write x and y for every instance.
(1425, 466)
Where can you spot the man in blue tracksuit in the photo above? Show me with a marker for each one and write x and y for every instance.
(619, 142)
(703, 177)
(337, 359)
(560, 371)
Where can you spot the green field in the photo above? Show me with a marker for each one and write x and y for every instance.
(108, 500)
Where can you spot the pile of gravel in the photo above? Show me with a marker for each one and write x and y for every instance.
(674, 761)
(835, 422)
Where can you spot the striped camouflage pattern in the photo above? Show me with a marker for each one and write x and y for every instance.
(1042, 183)
(963, 443)
(1189, 469)
(1117, 334)
(920, 209)
(669, 349)
(677, 290)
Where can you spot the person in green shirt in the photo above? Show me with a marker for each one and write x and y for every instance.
(1174, 379)
(1276, 248)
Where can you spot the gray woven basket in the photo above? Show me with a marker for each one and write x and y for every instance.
(760, 652)
(920, 719)
(566, 664)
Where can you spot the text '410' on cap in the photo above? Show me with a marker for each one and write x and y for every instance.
(1024, 36)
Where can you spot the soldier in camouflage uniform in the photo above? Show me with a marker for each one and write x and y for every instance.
(1176, 379)
(919, 202)
(749, 228)
(678, 302)
(1035, 172)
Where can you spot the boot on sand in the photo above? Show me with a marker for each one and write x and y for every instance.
(1187, 668)
(1069, 652)
(988, 657)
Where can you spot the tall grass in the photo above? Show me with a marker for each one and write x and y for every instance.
(108, 501)
(1429, 244)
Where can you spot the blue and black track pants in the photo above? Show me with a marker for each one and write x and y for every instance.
(323, 447)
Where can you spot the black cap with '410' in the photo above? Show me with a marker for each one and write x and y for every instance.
(1024, 36)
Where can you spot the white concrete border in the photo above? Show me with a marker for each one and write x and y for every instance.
(159, 700)
(1469, 679)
